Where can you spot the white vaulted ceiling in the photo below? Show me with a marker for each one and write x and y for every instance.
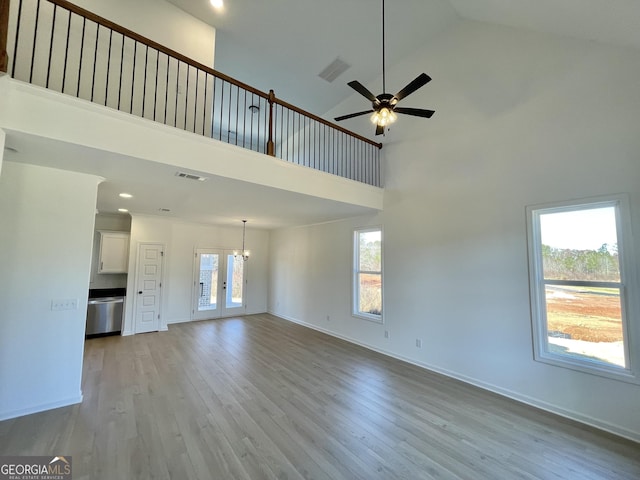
(284, 44)
(610, 21)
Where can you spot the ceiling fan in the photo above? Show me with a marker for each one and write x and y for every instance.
(384, 106)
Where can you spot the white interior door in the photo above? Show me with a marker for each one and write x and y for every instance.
(148, 287)
(218, 284)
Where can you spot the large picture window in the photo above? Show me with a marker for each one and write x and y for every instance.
(367, 274)
(579, 286)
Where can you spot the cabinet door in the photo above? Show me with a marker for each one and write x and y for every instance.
(114, 252)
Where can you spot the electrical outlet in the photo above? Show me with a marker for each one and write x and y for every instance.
(64, 304)
(418, 343)
(386, 334)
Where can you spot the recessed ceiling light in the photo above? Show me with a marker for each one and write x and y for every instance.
(217, 3)
(123, 210)
(126, 195)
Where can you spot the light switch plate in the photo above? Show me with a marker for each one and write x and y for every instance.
(64, 304)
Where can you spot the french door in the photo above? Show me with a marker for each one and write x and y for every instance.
(219, 284)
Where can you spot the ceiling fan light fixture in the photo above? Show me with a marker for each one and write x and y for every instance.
(383, 117)
(384, 105)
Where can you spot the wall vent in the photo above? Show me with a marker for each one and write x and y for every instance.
(334, 70)
(190, 176)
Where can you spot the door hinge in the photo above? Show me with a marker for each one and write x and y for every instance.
(158, 316)
(162, 254)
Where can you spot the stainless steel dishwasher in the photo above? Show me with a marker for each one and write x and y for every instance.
(104, 315)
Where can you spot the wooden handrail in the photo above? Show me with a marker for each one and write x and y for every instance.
(326, 122)
(172, 53)
(155, 45)
(4, 32)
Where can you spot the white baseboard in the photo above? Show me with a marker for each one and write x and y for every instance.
(41, 408)
(534, 402)
(188, 320)
(179, 320)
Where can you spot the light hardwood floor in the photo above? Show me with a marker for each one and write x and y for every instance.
(258, 397)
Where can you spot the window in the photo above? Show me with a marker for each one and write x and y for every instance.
(367, 274)
(580, 309)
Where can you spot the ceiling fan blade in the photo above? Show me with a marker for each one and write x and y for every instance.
(362, 90)
(379, 129)
(420, 81)
(351, 115)
(416, 112)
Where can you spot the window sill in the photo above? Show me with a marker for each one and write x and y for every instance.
(591, 368)
(369, 318)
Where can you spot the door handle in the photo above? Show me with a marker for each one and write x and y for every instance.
(201, 288)
(140, 292)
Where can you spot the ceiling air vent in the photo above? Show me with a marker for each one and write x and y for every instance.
(334, 70)
(190, 176)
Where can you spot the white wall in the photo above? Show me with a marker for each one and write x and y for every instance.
(47, 218)
(162, 22)
(521, 119)
(113, 223)
(180, 240)
(2, 143)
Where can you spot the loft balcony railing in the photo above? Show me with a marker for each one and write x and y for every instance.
(60, 46)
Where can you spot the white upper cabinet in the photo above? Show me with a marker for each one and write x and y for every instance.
(114, 252)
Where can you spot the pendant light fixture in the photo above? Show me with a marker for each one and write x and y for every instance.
(243, 253)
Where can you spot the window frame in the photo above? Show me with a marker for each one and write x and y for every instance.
(356, 272)
(627, 286)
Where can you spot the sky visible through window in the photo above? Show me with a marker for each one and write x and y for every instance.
(370, 237)
(579, 229)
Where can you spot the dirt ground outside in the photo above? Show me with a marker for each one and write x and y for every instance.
(585, 322)
(590, 315)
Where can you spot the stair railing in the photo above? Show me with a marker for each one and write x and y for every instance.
(60, 46)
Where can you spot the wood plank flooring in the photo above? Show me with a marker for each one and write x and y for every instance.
(258, 397)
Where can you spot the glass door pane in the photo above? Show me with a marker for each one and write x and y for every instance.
(234, 291)
(207, 284)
